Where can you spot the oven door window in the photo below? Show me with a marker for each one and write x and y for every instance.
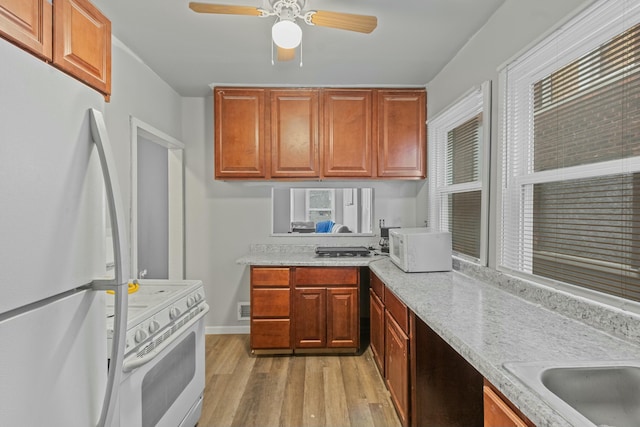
(163, 384)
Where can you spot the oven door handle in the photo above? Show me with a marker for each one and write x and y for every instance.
(131, 364)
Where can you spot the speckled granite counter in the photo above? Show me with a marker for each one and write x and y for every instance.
(488, 325)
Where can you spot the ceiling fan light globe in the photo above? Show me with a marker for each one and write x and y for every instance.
(286, 34)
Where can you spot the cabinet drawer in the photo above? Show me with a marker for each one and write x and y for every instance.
(397, 309)
(270, 333)
(270, 302)
(377, 286)
(270, 276)
(326, 276)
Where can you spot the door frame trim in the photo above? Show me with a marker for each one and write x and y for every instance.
(175, 167)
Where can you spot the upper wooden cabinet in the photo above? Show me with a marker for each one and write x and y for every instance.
(240, 133)
(82, 43)
(346, 140)
(263, 133)
(28, 23)
(294, 133)
(401, 133)
(73, 34)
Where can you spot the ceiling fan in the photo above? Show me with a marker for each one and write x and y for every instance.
(285, 33)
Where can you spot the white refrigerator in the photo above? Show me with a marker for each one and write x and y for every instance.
(53, 356)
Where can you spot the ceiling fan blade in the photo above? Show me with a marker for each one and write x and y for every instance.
(224, 9)
(344, 21)
(286, 54)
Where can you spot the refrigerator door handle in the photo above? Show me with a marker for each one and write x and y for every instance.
(121, 257)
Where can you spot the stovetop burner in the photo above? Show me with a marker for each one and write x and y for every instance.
(342, 251)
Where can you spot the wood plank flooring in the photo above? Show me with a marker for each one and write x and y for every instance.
(264, 391)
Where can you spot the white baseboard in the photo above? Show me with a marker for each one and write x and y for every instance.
(226, 330)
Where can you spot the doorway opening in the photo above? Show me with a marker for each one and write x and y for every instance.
(157, 204)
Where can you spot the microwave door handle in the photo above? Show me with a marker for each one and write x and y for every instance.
(121, 256)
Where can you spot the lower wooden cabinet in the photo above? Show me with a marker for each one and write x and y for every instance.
(498, 412)
(397, 367)
(270, 308)
(305, 309)
(376, 333)
(326, 308)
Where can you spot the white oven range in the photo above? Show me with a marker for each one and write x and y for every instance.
(163, 368)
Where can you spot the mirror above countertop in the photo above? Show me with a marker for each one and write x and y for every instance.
(322, 211)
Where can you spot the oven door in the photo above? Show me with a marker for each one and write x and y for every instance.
(167, 390)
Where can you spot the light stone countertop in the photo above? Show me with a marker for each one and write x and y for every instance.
(487, 325)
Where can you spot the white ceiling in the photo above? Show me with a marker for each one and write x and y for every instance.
(191, 52)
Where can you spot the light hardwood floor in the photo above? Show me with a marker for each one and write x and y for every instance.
(264, 391)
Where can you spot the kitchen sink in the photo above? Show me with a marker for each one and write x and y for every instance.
(594, 393)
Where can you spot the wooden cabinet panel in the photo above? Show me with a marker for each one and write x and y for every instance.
(310, 318)
(270, 302)
(28, 23)
(401, 133)
(347, 133)
(294, 133)
(82, 43)
(269, 334)
(326, 276)
(397, 309)
(397, 367)
(270, 276)
(239, 133)
(499, 412)
(447, 390)
(376, 324)
(377, 286)
(343, 320)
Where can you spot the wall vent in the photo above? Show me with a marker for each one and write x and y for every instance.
(244, 311)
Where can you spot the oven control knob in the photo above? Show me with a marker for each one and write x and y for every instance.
(140, 335)
(198, 296)
(174, 313)
(153, 326)
(191, 301)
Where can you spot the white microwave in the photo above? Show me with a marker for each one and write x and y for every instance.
(420, 249)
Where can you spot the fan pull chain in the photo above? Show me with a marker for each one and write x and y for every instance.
(272, 61)
(300, 53)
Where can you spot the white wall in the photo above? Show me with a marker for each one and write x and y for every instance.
(139, 92)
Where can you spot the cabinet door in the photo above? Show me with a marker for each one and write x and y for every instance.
(28, 23)
(294, 134)
(347, 130)
(82, 43)
(343, 320)
(310, 323)
(397, 367)
(239, 133)
(376, 315)
(497, 413)
(401, 133)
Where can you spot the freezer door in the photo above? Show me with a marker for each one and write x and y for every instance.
(53, 365)
(52, 221)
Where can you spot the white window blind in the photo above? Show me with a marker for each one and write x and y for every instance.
(570, 154)
(457, 150)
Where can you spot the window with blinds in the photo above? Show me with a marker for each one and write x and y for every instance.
(456, 142)
(571, 154)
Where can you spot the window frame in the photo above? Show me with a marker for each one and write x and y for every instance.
(515, 141)
(475, 101)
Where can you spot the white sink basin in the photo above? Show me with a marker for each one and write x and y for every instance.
(594, 393)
